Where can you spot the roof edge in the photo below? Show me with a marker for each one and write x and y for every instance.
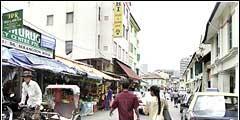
(210, 19)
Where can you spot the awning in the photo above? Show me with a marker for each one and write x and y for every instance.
(7, 58)
(130, 73)
(49, 64)
(28, 60)
(119, 77)
(91, 72)
(12, 57)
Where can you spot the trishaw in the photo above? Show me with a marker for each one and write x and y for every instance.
(64, 100)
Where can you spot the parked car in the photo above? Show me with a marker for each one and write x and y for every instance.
(213, 105)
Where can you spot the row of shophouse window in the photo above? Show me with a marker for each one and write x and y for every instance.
(69, 18)
(198, 66)
(229, 37)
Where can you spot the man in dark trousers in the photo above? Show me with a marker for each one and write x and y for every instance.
(126, 102)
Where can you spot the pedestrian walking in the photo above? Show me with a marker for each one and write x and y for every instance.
(108, 98)
(157, 107)
(171, 94)
(186, 96)
(126, 102)
(175, 97)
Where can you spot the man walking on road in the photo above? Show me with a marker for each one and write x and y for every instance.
(125, 102)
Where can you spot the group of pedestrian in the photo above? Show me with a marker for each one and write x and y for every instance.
(127, 103)
(176, 97)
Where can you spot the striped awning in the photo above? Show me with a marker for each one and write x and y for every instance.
(91, 72)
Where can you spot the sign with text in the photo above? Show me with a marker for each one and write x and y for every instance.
(48, 42)
(26, 39)
(12, 20)
(118, 24)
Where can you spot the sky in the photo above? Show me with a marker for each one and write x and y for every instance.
(170, 30)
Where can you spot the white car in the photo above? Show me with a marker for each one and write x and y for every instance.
(213, 106)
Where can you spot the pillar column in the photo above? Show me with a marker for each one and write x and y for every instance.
(205, 81)
(224, 82)
(214, 81)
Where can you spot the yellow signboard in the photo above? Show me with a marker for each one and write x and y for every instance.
(118, 24)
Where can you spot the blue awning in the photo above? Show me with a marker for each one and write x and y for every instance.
(49, 64)
(14, 58)
(33, 61)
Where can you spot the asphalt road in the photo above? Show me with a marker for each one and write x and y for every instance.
(104, 115)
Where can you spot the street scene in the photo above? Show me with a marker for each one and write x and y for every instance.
(119, 60)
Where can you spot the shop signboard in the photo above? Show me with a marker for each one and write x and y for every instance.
(48, 42)
(118, 23)
(12, 20)
(26, 39)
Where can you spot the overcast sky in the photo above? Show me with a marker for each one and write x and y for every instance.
(170, 30)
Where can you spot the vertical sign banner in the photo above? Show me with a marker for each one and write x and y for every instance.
(12, 20)
(118, 23)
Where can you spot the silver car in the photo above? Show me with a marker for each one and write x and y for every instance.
(213, 106)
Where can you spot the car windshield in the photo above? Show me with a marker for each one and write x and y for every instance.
(216, 106)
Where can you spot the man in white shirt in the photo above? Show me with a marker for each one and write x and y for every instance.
(32, 89)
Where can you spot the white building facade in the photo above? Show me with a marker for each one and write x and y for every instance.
(155, 79)
(222, 33)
